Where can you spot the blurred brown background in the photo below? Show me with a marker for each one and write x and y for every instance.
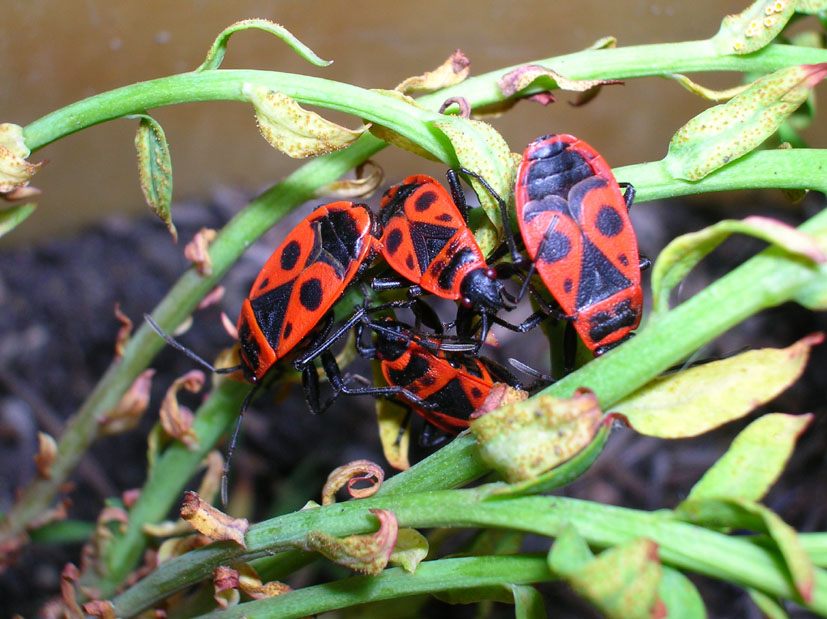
(54, 53)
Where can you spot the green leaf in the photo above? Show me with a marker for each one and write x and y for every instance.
(410, 550)
(563, 474)
(528, 603)
(755, 459)
(219, 47)
(528, 438)
(742, 514)
(569, 553)
(727, 131)
(770, 606)
(397, 139)
(291, 129)
(680, 596)
(623, 581)
(13, 216)
(155, 169)
(681, 255)
(694, 401)
(754, 27)
(811, 7)
(481, 149)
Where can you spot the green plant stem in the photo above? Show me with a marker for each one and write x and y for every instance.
(681, 545)
(433, 576)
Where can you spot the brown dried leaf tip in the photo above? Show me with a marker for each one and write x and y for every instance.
(225, 581)
(122, 339)
(368, 554)
(197, 251)
(211, 522)
(250, 583)
(522, 77)
(128, 411)
(213, 297)
(100, 608)
(350, 474)
(46, 454)
(453, 71)
(176, 419)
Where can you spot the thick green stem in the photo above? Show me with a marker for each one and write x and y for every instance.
(681, 545)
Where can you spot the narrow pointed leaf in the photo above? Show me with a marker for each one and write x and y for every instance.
(771, 607)
(681, 255)
(291, 129)
(13, 216)
(569, 553)
(694, 401)
(219, 47)
(755, 459)
(725, 132)
(528, 603)
(155, 170)
(742, 514)
(754, 27)
(680, 596)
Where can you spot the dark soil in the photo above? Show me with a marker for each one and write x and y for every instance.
(57, 331)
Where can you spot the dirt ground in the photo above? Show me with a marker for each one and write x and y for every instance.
(57, 330)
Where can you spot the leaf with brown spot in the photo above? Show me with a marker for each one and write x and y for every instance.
(155, 169)
(454, 70)
(525, 439)
(125, 330)
(294, 131)
(350, 474)
(539, 76)
(225, 585)
(176, 419)
(500, 395)
(128, 411)
(15, 171)
(754, 27)
(197, 251)
(697, 400)
(46, 454)
(212, 522)
(368, 554)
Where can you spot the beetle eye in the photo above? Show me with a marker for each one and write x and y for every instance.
(491, 274)
(466, 302)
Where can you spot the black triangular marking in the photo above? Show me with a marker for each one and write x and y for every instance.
(599, 278)
(270, 310)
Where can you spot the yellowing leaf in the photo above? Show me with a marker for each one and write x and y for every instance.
(754, 27)
(250, 583)
(453, 71)
(811, 6)
(225, 585)
(176, 419)
(219, 47)
(525, 439)
(390, 416)
(755, 459)
(367, 554)
(296, 132)
(725, 132)
(155, 170)
(211, 522)
(694, 401)
(708, 93)
(15, 171)
(410, 550)
(397, 139)
(533, 74)
(684, 252)
(46, 454)
(362, 185)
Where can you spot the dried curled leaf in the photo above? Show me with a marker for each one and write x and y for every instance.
(176, 419)
(69, 576)
(225, 585)
(368, 554)
(350, 474)
(219, 47)
(725, 132)
(681, 255)
(100, 608)
(699, 399)
(122, 339)
(754, 27)
(177, 546)
(296, 132)
(155, 170)
(46, 454)
(212, 297)
(755, 459)
(360, 186)
(197, 251)
(250, 583)
(525, 439)
(454, 70)
(212, 522)
(130, 408)
(15, 171)
(537, 75)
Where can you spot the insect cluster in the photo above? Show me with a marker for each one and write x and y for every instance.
(575, 234)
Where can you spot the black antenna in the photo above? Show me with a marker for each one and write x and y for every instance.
(180, 347)
(226, 473)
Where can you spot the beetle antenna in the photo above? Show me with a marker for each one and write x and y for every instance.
(527, 369)
(180, 347)
(225, 474)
